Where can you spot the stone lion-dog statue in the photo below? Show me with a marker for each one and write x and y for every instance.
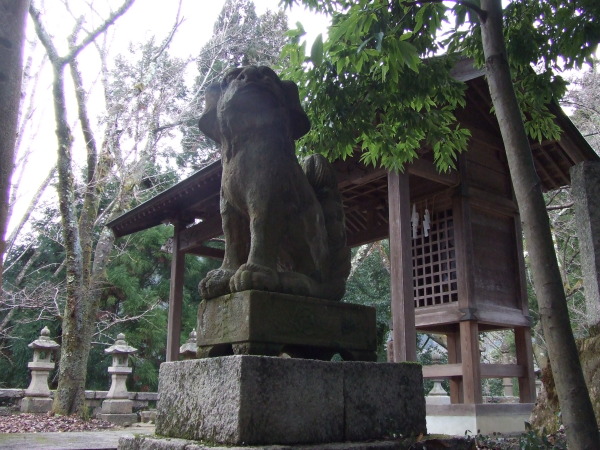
(283, 222)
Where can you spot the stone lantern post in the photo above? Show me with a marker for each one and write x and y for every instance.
(437, 395)
(507, 383)
(117, 407)
(189, 349)
(37, 396)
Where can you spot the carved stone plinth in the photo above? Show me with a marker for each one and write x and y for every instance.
(39, 379)
(36, 404)
(258, 400)
(272, 324)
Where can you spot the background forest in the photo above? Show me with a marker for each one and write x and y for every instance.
(147, 140)
(143, 140)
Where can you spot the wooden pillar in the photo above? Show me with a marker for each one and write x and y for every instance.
(456, 386)
(175, 297)
(467, 304)
(523, 346)
(524, 355)
(471, 366)
(402, 296)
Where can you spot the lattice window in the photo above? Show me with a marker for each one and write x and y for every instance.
(434, 263)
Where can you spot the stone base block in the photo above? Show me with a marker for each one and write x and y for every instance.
(157, 443)
(148, 416)
(267, 323)
(436, 442)
(117, 406)
(122, 420)
(256, 400)
(478, 418)
(36, 404)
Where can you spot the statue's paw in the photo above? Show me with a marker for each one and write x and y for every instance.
(296, 283)
(216, 283)
(253, 276)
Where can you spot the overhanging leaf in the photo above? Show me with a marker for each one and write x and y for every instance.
(316, 51)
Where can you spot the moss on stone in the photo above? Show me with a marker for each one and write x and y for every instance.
(546, 413)
(589, 354)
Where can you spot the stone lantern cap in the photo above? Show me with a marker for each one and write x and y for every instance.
(190, 346)
(44, 342)
(120, 347)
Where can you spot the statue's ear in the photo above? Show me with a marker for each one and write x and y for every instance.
(298, 118)
(208, 120)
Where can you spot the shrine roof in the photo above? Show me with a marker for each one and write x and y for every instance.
(364, 189)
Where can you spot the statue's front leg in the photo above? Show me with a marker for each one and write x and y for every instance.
(260, 270)
(237, 245)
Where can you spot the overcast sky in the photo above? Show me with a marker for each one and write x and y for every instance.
(144, 19)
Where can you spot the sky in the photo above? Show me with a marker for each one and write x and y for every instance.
(157, 16)
(144, 19)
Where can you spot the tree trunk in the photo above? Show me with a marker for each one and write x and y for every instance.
(577, 413)
(82, 289)
(12, 38)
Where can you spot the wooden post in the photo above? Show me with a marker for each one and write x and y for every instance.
(471, 367)
(402, 296)
(524, 352)
(468, 327)
(175, 297)
(456, 386)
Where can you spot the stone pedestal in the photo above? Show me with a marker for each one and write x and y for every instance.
(37, 396)
(117, 408)
(36, 404)
(258, 400)
(266, 323)
(437, 395)
(585, 188)
(118, 411)
(38, 387)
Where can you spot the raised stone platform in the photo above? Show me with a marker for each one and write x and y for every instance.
(267, 323)
(257, 400)
(486, 418)
(158, 443)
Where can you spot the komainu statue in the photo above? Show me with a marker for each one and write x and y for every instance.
(283, 222)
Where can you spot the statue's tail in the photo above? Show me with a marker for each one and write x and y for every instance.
(321, 176)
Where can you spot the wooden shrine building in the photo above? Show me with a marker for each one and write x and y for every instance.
(466, 276)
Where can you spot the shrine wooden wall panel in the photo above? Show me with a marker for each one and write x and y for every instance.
(495, 269)
(486, 169)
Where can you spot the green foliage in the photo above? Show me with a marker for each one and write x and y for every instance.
(138, 287)
(15, 353)
(377, 84)
(370, 286)
(366, 87)
(534, 440)
(33, 295)
(134, 301)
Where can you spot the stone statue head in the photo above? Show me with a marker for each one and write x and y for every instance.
(236, 92)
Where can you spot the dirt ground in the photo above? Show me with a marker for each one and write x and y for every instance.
(44, 423)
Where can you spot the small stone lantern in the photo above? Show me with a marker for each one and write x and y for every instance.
(37, 396)
(117, 408)
(189, 349)
(507, 383)
(437, 395)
